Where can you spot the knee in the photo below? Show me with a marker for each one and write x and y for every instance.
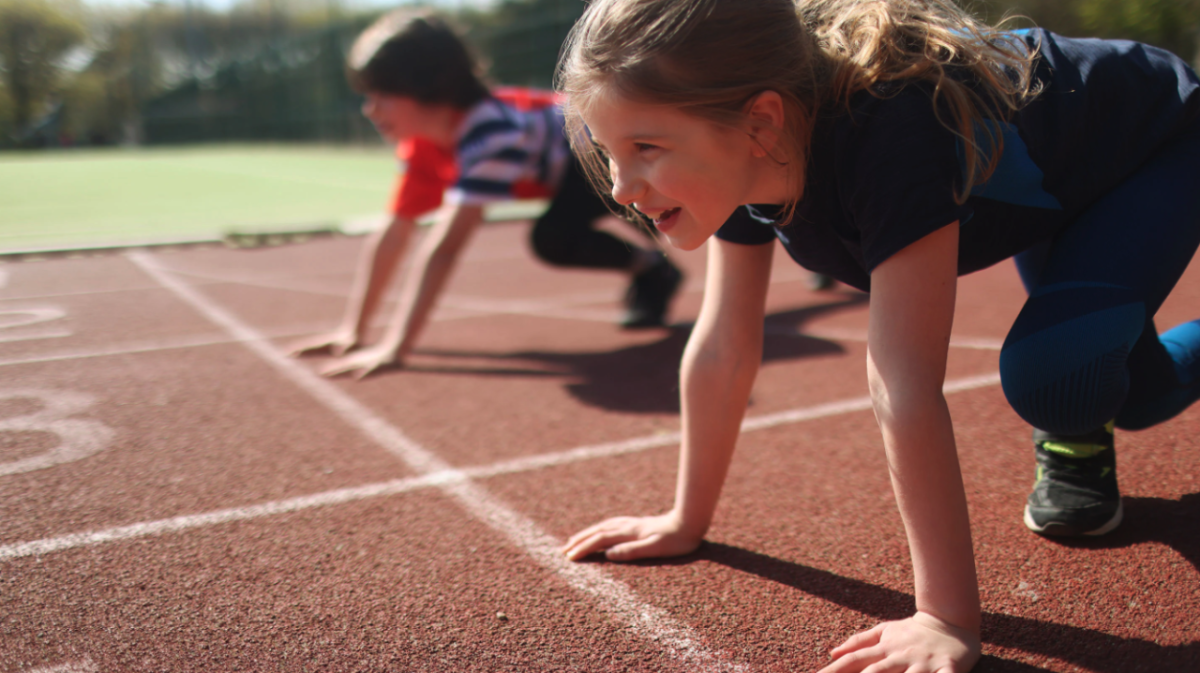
(1064, 365)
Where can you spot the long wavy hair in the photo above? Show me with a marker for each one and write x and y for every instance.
(709, 58)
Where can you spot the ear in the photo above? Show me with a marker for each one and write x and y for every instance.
(765, 115)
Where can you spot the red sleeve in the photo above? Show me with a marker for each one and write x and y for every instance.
(526, 99)
(430, 170)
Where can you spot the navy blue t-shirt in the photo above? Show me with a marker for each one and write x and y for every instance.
(883, 174)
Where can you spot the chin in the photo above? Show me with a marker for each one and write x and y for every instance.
(685, 243)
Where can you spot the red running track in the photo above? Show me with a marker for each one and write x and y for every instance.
(176, 495)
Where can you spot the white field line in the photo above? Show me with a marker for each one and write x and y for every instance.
(179, 523)
(860, 335)
(85, 666)
(650, 622)
(166, 344)
(432, 479)
(551, 307)
(37, 334)
(78, 293)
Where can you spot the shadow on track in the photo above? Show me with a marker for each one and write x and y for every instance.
(1175, 523)
(645, 378)
(1092, 650)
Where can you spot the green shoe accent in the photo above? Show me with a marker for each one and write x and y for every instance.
(1080, 450)
(1073, 450)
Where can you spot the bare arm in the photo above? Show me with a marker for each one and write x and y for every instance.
(720, 364)
(380, 255)
(435, 260)
(912, 310)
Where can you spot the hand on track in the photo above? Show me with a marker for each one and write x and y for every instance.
(336, 343)
(920, 644)
(628, 538)
(361, 362)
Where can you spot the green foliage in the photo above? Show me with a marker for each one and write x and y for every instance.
(34, 36)
(521, 39)
(272, 68)
(1171, 24)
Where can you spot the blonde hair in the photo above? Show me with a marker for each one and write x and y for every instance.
(709, 58)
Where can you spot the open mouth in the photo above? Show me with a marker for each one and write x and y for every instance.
(665, 217)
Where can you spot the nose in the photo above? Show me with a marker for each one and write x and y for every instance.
(626, 188)
(368, 106)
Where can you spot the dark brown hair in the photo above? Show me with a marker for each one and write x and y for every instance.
(415, 54)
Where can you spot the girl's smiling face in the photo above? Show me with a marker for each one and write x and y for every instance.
(686, 173)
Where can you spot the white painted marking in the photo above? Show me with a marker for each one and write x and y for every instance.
(85, 666)
(612, 596)
(512, 466)
(860, 335)
(191, 341)
(33, 316)
(33, 336)
(180, 523)
(3, 278)
(17, 318)
(78, 438)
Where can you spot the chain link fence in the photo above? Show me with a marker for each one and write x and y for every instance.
(294, 88)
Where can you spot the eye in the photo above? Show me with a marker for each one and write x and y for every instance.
(646, 147)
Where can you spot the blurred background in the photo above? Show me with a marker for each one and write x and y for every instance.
(132, 120)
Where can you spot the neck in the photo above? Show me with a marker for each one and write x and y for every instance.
(443, 126)
(775, 183)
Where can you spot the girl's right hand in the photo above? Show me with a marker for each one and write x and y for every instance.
(628, 538)
(336, 343)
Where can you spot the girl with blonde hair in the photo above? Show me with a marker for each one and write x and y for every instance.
(894, 145)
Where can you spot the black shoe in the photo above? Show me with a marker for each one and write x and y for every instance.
(1076, 490)
(650, 294)
(819, 281)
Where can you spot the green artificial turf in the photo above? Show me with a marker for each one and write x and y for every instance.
(95, 197)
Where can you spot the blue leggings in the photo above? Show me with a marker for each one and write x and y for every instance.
(1084, 349)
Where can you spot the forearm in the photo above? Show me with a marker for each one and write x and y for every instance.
(925, 474)
(379, 259)
(715, 383)
(436, 259)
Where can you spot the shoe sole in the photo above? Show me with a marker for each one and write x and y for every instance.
(1061, 530)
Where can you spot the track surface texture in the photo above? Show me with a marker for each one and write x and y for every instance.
(176, 495)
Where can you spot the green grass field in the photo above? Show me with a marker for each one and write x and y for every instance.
(86, 197)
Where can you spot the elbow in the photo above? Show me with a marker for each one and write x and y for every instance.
(716, 361)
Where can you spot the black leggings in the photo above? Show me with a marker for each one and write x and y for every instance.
(565, 235)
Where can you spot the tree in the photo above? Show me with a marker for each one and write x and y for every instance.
(1170, 24)
(34, 37)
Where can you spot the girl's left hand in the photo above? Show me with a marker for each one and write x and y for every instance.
(922, 643)
(361, 362)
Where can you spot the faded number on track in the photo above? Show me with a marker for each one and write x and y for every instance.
(77, 438)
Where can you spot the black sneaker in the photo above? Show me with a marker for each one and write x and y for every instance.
(819, 281)
(649, 295)
(1076, 490)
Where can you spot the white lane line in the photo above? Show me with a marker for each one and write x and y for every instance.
(179, 523)
(650, 622)
(562, 307)
(171, 343)
(35, 335)
(85, 666)
(504, 467)
(860, 335)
